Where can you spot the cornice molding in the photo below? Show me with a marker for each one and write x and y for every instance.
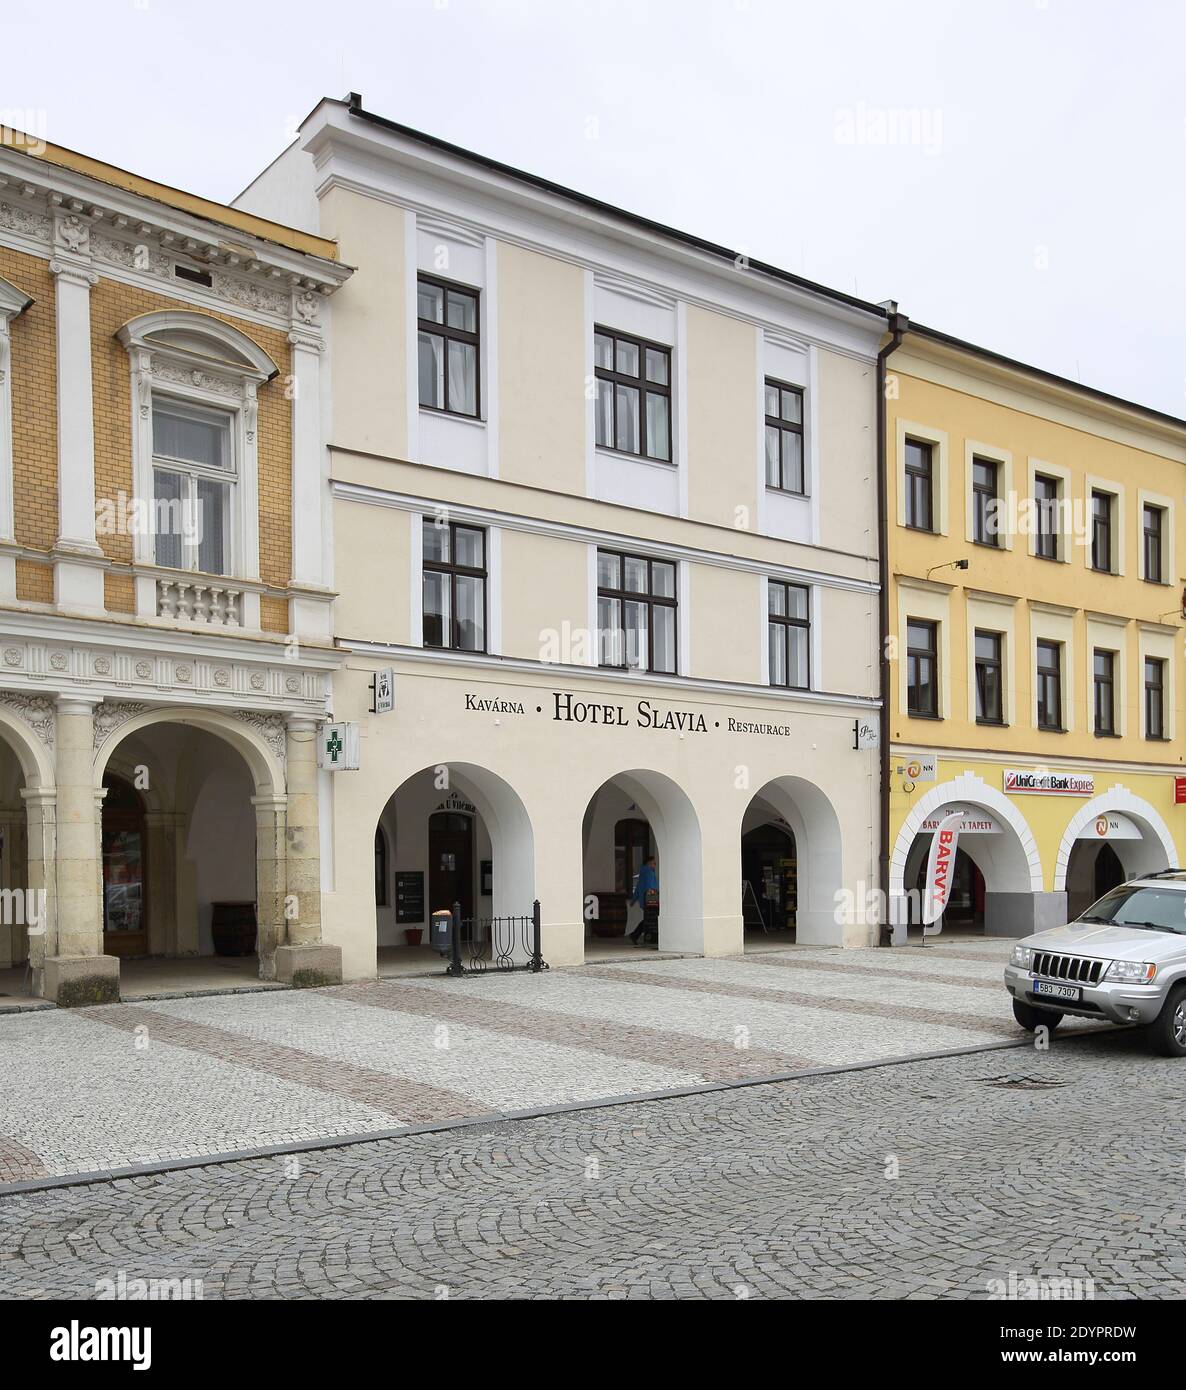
(46, 209)
(558, 530)
(453, 662)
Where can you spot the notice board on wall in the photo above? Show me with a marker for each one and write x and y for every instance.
(409, 897)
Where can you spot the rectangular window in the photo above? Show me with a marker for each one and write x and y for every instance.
(985, 501)
(1101, 532)
(989, 706)
(193, 470)
(1049, 686)
(789, 634)
(1104, 678)
(1154, 697)
(784, 437)
(919, 486)
(1046, 499)
(1153, 527)
(633, 407)
(447, 346)
(636, 627)
(454, 586)
(922, 668)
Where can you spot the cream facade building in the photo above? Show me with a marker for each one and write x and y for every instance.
(603, 497)
(165, 606)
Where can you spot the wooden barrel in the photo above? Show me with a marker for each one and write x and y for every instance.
(611, 914)
(233, 928)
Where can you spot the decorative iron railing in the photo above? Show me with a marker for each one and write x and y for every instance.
(479, 944)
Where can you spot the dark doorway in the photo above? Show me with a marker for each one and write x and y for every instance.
(965, 906)
(125, 916)
(769, 879)
(632, 849)
(1109, 871)
(451, 862)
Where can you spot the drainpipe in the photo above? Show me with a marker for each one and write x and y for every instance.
(898, 325)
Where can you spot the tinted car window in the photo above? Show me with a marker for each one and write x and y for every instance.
(1136, 906)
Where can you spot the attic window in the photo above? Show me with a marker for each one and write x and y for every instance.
(193, 275)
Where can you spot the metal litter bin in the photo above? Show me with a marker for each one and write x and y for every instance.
(440, 931)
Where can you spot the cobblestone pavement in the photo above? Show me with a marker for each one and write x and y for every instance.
(925, 1179)
(158, 1081)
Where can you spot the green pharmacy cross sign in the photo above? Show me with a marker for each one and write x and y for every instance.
(337, 748)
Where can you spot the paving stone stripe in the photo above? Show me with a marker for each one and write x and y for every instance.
(635, 1043)
(646, 975)
(18, 1163)
(407, 1101)
(825, 967)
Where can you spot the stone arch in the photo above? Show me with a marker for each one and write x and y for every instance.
(676, 826)
(1155, 850)
(1015, 866)
(31, 752)
(512, 836)
(263, 754)
(808, 810)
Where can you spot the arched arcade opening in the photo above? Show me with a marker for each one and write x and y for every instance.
(451, 835)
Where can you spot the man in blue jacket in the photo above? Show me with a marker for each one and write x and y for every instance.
(648, 882)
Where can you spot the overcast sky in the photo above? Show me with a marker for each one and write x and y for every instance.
(1010, 172)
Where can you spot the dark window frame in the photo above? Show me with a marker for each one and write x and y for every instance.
(1154, 694)
(982, 509)
(1104, 728)
(1048, 681)
(1046, 536)
(639, 383)
(1101, 531)
(456, 571)
(381, 893)
(785, 620)
(461, 335)
(925, 476)
(914, 688)
(651, 599)
(776, 422)
(994, 663)
(1153, 543)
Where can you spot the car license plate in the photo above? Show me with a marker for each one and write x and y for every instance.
(1071, 994)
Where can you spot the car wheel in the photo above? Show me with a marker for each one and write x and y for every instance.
(1031, 1018)
(1167, 1033)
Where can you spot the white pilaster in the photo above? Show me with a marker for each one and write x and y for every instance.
(310, 607)
(12, 303)
(78, 579)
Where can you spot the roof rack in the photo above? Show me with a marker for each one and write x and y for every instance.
(1163, 873)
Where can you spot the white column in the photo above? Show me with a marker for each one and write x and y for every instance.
(12, 303)
(310, 606)
(78, 580)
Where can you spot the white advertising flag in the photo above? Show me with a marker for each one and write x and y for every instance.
(940, 872)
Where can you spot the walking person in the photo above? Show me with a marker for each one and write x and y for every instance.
(647, 882)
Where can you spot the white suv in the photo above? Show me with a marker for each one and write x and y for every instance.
(1123, 960)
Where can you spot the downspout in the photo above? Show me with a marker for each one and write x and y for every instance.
(898, 325)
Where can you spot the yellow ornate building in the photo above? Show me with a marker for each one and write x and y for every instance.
(1035, 617)
(165, 609)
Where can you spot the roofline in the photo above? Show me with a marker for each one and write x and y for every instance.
(354, 106)
(1041, 374)
(176, 198)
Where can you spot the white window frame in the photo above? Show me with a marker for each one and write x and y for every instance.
(191, 471)
(197, 360)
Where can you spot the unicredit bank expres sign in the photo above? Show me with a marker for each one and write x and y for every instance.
(1048, 783)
